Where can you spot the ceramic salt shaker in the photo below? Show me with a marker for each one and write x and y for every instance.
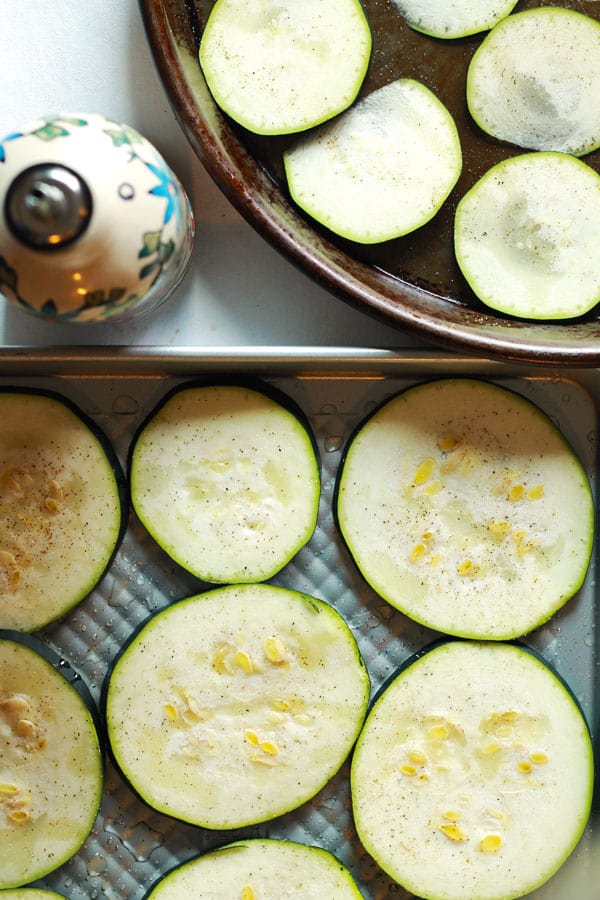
(94, 225)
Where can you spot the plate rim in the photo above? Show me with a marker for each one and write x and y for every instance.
(223, 156)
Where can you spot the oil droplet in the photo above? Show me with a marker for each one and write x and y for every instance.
(332, 443)
(125, 405)
(119, 596)
(96, 865)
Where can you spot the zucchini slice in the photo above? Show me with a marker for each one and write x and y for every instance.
(259, 868)
(253, 700)
(62, 498)
(226, 479)
(473, 774)
(526, 236)
(51, 762)
(533, 81)
(381, 169)
(279, 66)
(448, 19)
(464, 507)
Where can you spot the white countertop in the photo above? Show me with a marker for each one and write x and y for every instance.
(92, 56)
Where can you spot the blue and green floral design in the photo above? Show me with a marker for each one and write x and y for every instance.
(157, 247)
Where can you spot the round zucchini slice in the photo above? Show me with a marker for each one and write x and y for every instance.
(448, 19)
(226, 479)
(473, 774)
(269, 869)
(380, 170)
(464, 507)
(533, 81)
(279, 66)
(253, 700)
(526, 236)
(62, 498)
(51, 762)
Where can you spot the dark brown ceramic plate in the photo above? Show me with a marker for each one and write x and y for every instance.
(412, 282)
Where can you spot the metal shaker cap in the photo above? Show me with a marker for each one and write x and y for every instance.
(48, 206)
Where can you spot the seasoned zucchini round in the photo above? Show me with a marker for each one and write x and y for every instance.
(381, 169)
(61, 507)
(448, 19)
(533, 81)
(279, 66)
(234, 706)
(526, 236)
(265, 869)
(51, 762)
(465, 508)
(473, 774)
(226, 479)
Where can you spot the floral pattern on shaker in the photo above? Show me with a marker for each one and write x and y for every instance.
(155, 250)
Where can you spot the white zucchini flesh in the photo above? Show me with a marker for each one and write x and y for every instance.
(465, 508)
(473, 774)
(449, 19)
(533, 81)
(381, 169)
(60, 508)
(252, 702)
(526, 236)
(279, 66)
(51, 766)
(265, 869)
(226, 479)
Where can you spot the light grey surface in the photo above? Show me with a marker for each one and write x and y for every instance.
(92, 56)
(131, 845)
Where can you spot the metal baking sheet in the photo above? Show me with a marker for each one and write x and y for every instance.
(131, 846)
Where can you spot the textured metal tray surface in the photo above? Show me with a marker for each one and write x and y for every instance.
(130, 845)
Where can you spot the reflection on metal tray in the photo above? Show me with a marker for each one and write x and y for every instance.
(131, 845)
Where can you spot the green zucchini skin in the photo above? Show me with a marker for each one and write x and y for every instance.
(250, 383)
(421, 885)
(62, 665)
(439, 22)
(345, 887)
(547, 101)
(43, 618)
(368, 188)
(437, 642)
(520, 256)
(196, 552)
(502, 630)
(343, 702)
(240, 54)
(84, 752)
